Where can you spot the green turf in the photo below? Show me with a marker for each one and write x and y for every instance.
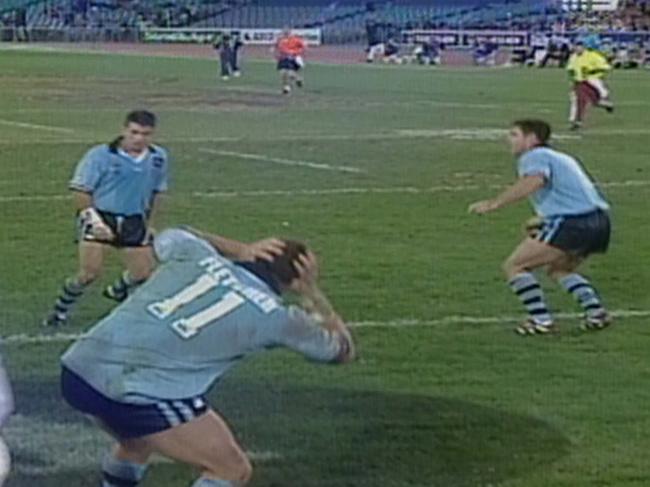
(441, 404)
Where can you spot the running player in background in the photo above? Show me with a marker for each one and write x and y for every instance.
(573, 223)
(587, 68)
(6, 408)
(289, 51)
(116, 189)
(143, 371)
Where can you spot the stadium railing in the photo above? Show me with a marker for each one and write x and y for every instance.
(71, 34)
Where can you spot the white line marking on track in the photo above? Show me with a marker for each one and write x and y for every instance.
(282, 161)
(26, 339)
(329, 191)
(34, 126)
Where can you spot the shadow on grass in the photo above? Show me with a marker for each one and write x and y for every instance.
(308, 436)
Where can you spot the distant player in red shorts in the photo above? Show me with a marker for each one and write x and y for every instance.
(289, 51)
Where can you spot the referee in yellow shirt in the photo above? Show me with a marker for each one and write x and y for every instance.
(587, 69)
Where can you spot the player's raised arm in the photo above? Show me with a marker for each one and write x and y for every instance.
(523, 188)
(265, 249)
(317, 330)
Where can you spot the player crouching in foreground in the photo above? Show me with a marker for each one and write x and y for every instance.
(587, 68)
(142, 372)
(574, 224)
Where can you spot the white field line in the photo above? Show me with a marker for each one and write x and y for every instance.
(26, 339)
(281, 161)
(49, 444)
(476, 134)
(34, 126)
(331, 191)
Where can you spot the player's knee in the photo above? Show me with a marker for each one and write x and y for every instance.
(557, 272)
(88, 275)
(241, 468)
(245, 471)
(138, 276)
(237, 468)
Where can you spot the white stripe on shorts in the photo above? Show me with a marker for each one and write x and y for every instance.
(171, 416)
(552, 229)
(182, 409)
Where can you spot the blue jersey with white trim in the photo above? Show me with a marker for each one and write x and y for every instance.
(120, 183)
(196, 316)
(568, 190)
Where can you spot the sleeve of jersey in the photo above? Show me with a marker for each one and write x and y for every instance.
(172, 244)
(599, 65)
(302, 334)
(87, 173)
(535, 164)
(6, 397)
(163, 182)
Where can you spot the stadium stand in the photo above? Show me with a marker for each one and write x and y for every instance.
(341, 22)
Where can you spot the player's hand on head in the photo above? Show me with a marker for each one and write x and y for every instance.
(306, 266)
(266, 249)
(482, 207)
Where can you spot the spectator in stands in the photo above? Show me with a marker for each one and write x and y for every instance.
(558, 50)
(391, 52)
(428, 52)
(485, 53)
(627, 56)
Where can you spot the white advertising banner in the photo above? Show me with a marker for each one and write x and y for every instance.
(206, 35)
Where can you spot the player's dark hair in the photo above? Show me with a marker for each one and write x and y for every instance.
(282, 266)
(279, 272)
(141, 117)
(540, 128)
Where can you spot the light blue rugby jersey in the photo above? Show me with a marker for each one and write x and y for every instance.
(568, 189)
(196, 316)
(119, 183)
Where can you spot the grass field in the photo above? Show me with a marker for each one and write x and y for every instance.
(374, 167)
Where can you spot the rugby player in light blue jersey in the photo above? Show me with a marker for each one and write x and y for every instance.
(572, 222)
(6, 409)
(144, 370)
(116, 189)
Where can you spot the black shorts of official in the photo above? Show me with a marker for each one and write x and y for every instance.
(129, 231)
(289, 64)
(125, 420)
(579, 235)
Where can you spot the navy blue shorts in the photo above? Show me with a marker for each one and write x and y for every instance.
(128, 420)
(579, 235)
(288, 64)
(129, 231)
